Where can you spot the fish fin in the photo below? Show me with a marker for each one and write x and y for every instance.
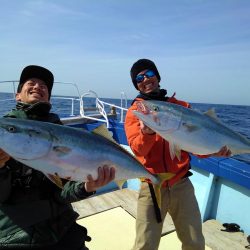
(165, 176)
(211, 113)
(178, 153)
(120, 183)
(157, 187)
(61, 150)
(174, 151)
(104, 132)
(55, 179)
(171, 150)
(190, 127)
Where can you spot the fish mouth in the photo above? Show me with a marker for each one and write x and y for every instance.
(142, 108)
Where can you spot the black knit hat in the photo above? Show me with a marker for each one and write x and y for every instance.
(141, 65)
(34, 71)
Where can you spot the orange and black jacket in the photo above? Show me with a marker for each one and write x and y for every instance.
(152, 150)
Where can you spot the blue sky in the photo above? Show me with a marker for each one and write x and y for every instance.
(201, 48)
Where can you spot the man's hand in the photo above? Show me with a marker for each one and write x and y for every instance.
(145, 129)
(3, 158)
(106, 174)
(223, 152)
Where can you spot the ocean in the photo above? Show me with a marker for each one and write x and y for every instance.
(236, 117)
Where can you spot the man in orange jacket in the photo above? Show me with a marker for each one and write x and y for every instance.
(177, 194)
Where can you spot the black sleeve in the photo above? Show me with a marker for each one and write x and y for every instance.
(74, 191)
(5, 183)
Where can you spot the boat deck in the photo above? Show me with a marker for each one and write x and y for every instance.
(114, 214)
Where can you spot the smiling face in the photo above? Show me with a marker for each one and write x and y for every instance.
(33, 90)
(149, 84)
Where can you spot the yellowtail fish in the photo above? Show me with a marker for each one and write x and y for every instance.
(190, 130)
(70, 153)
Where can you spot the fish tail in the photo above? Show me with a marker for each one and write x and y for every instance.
(157, 187)
(165, 177)
(120, 183)
(55, 179)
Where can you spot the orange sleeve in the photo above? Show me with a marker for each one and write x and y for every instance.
(140, 143)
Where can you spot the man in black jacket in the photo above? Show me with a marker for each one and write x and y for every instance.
(34, 212)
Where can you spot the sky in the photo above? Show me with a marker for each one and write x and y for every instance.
(201, 48)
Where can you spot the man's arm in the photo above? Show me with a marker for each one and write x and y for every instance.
(223, 152)
(75, 191)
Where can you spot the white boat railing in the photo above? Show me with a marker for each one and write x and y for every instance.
(72, 99)
(100, 107)
(14, 84)
(124, 101)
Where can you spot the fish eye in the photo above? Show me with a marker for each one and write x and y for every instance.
(155, 108)
(11, 129)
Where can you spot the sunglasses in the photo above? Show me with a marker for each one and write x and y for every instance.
(148, 74)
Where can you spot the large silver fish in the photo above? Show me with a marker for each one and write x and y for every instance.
(190, 130)
(67, 152)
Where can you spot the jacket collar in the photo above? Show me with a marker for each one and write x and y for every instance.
(159, 96)
(39, 108)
